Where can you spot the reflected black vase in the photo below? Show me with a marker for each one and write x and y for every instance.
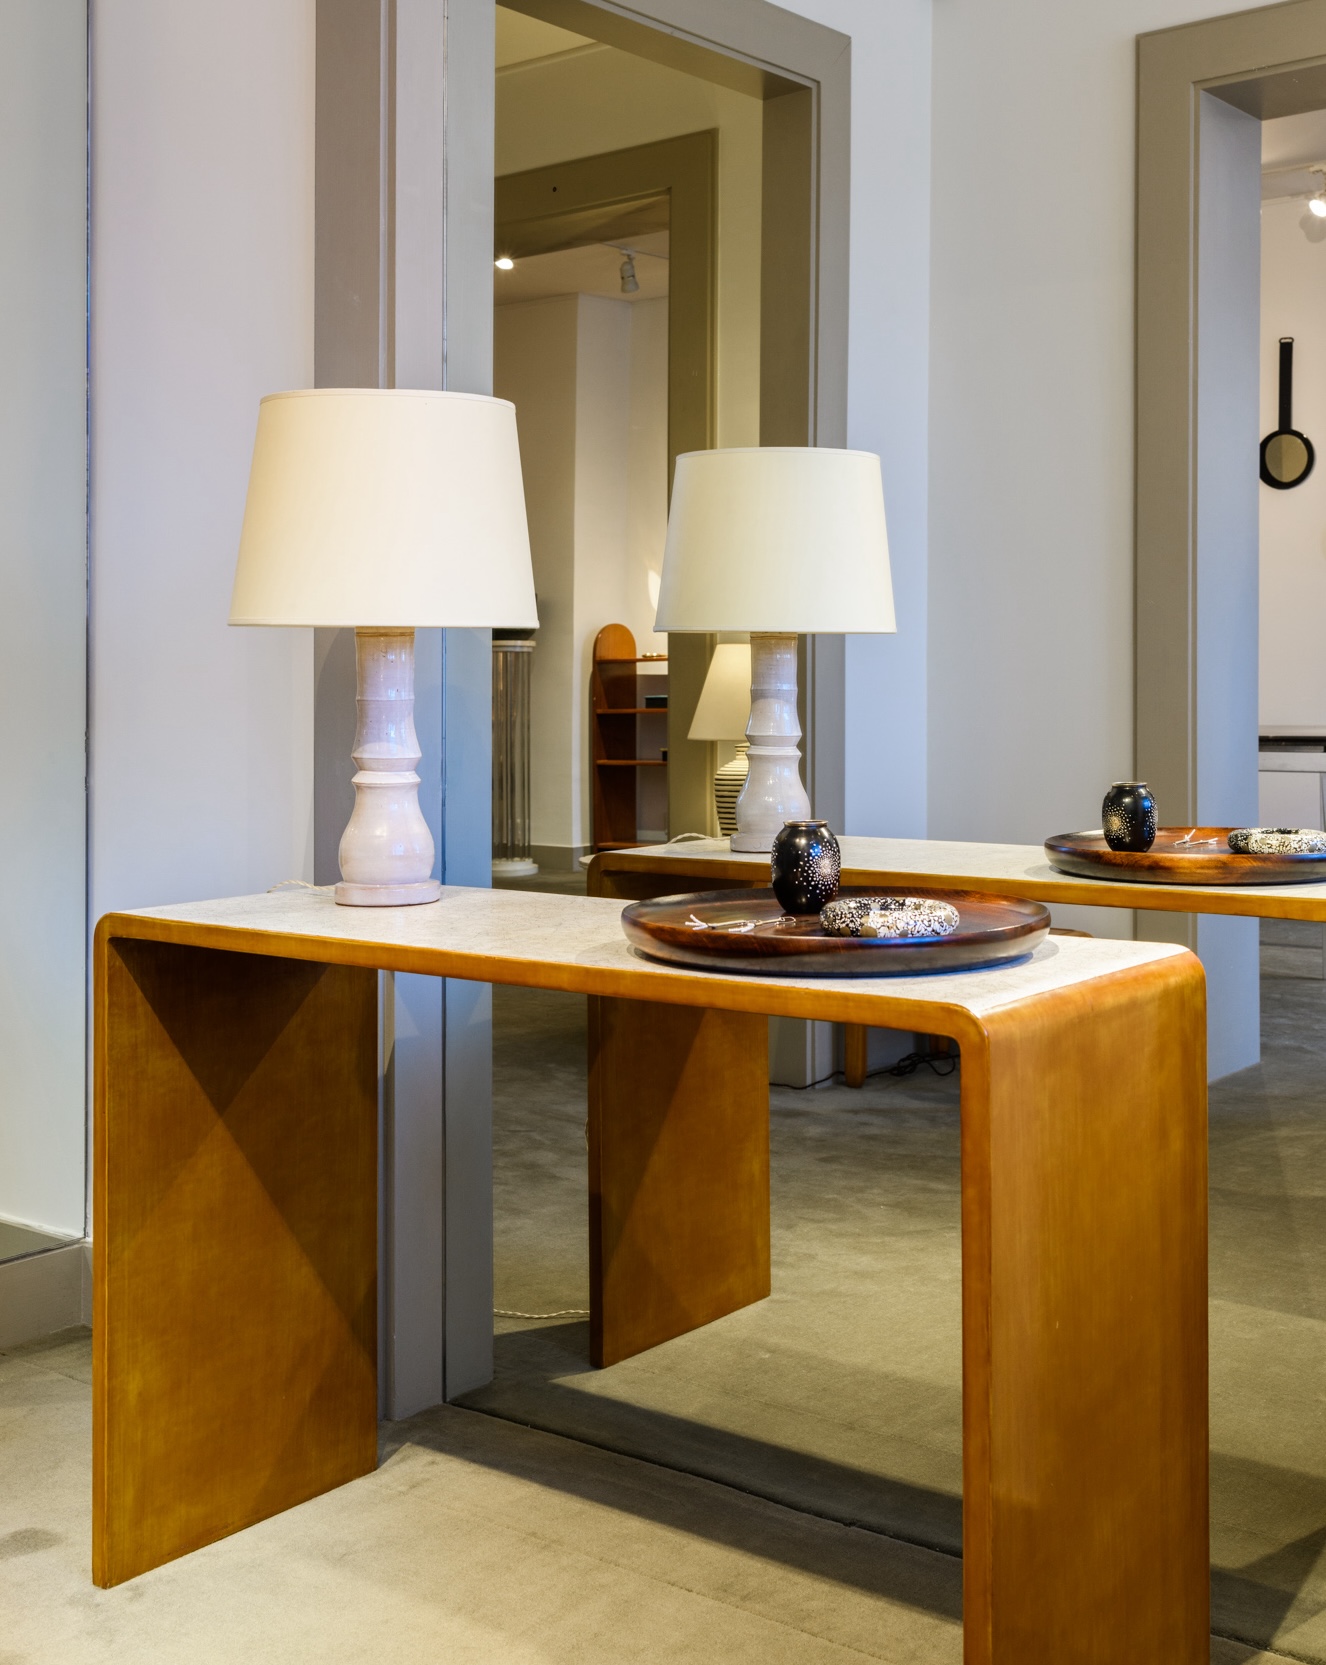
(1128, 816)
(804, 866)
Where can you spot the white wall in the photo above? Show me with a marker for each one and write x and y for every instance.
(534, 365)
(621, 510)
(647, 471)
(202, 293)
(621, 467)
(1293, 523)
(1031, 415)
(43, 571)
(599, 99)
(588, 377)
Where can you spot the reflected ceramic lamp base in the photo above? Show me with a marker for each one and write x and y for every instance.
(773, 793)
(386, 849)
(729, 778)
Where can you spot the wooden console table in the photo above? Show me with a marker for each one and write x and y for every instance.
(235, 1226)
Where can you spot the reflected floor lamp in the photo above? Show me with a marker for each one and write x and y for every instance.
(780, 541)
(385, 510)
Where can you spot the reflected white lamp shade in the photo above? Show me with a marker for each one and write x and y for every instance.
(780, 541)
(385, 510)
(724, 707)
(722, 714)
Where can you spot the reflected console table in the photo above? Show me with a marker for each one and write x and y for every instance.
(235, 1225)
(1000, 869)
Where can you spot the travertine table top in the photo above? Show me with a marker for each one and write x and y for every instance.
(1004, 869)
(576, 943)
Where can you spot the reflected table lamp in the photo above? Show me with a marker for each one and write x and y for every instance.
(780, 541)
(722, 714)
(385, 510)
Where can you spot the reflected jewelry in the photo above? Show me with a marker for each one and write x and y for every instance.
(1277, 841)
(888, 916)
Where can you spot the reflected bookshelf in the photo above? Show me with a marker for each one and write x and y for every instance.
(628, 701)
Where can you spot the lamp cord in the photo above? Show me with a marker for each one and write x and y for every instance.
(566, 1312)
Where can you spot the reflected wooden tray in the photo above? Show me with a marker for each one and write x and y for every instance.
(992, 929)
(1170, 861)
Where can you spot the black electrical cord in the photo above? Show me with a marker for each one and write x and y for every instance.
(939, 1063)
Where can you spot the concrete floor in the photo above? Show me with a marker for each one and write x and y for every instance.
(782, 1485)
(475, 1541)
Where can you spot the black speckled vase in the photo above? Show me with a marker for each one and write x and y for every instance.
(804, 866)
(1128, 816)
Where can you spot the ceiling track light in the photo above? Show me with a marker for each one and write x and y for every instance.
(630, 283)
(504, 263)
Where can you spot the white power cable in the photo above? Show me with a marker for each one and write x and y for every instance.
(566, 1312)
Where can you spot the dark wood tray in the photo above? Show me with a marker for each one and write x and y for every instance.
(1171, 862)
(992, 929)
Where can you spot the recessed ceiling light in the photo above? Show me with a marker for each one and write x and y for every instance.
(505, 263)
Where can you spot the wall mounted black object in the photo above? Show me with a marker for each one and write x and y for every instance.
(1287, 455)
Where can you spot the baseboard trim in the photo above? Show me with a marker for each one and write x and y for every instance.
(44, 1293)
(558, 858)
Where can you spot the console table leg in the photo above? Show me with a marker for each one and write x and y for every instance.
(678, 1170)
(1085, 1531)
(234, 1243)
(856, 1054)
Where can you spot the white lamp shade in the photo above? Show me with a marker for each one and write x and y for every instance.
(384, 507)
(724, 707)
(777, 539)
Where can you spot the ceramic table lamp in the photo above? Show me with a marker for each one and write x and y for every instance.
(722, 714)
(385, 510)
(781, 542)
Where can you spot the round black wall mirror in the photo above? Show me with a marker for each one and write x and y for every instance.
(1287, 455)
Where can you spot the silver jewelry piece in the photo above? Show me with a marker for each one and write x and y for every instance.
(888, 916)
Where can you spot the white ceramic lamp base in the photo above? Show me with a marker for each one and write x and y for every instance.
(386, 849)
(773, 792)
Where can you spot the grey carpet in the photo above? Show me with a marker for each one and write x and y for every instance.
(841, 1394)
